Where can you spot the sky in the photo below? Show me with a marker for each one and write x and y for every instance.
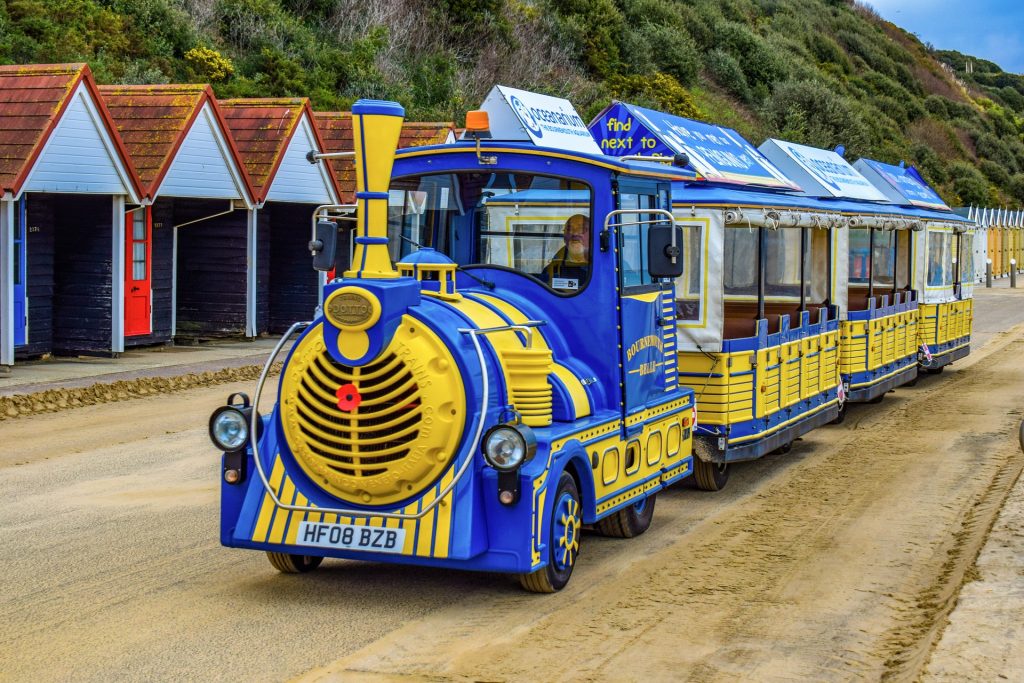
(990, 29)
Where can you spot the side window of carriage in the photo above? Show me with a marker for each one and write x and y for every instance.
(638, 197)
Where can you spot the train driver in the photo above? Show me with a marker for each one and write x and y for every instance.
(569, 268)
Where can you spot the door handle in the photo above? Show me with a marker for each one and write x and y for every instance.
(135, 289)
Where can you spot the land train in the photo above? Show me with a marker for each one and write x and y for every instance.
(499, 364)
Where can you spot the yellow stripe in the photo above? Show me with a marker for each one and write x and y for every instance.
(267, 509)
(647, 297)
(296, 519)
(444, 518)
(577, 394)
(783, 424)
(281, 519)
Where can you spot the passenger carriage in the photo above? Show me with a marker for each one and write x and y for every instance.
(936, 260)
(461, 402)
(757, 325)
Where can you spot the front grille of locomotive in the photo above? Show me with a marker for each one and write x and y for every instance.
(369, 439)
(375, 434)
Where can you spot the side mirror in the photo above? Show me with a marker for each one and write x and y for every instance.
(664, 251)
(324, 245)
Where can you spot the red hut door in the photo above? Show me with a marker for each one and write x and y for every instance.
(138, 290)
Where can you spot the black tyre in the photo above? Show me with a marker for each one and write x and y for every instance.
(877, 399)
(841, 417)
(294, 564)
(710, 476)
(564, 529)
(782, 450)
(630, 521)
(935, 371)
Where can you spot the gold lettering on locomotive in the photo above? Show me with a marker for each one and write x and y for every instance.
(349, 309)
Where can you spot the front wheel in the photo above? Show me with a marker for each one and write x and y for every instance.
(710, 476)
(630, 521)
(294, 564)
(564, 530)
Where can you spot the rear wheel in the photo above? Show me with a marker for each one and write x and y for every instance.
(935, 371)
(782, 450)
(710, 476)
(841, 417)
(294, 564)
(564, 531)
(630, 521)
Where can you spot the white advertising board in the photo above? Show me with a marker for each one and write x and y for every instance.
(544, 120)
(821, 172)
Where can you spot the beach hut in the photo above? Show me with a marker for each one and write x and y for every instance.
(274, 137)
(185, 244)
(64, 181)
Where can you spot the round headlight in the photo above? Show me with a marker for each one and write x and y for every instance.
(229, 429)
(504, 448)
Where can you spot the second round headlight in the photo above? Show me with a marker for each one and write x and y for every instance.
(505, 448)
(229, 429)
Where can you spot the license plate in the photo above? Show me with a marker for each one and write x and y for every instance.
(351, 537)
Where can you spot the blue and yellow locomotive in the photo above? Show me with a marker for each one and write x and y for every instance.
(496, 368)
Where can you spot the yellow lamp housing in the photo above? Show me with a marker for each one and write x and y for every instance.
(376, 127)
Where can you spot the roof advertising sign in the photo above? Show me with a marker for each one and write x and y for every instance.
(716, 153)
(546, 121)
(901, 184)
(821, 172)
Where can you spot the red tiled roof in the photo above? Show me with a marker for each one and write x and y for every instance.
(154, 120)
(262, 129)
(336, 131)
(32, 99)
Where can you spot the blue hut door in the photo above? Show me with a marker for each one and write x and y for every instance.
(138, 289)
(647, 304)
(20, 297)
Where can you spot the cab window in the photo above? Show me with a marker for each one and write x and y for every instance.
(537, 225)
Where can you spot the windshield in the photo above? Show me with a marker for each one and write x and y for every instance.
(533, 224)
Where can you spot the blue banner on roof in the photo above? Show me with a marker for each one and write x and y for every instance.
(900, 184)
(717, 154)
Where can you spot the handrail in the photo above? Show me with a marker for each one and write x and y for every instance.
(619, 212)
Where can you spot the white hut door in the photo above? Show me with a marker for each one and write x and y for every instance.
(138, 289)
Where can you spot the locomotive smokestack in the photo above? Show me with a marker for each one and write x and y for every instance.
(376, 126)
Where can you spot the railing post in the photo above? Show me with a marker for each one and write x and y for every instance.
(988, 273)
(1013, 273)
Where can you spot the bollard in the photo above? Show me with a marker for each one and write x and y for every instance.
(1013, 273)
(988, 273)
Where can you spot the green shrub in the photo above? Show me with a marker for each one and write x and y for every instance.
(1016, 187)
(996, 173)
(209, 65)
(809, 112)
(660, 91)
(969, 184)
(728, 73)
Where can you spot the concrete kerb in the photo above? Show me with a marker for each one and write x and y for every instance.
(57, 384)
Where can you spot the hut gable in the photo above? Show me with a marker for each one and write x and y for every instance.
(52, 126)
(177, 141)
(336, 132)
(273, 136)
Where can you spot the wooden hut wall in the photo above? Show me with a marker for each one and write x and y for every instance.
(294, 291)
(162, 273)
(211, 282)
(40, 232)
(83, 242)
